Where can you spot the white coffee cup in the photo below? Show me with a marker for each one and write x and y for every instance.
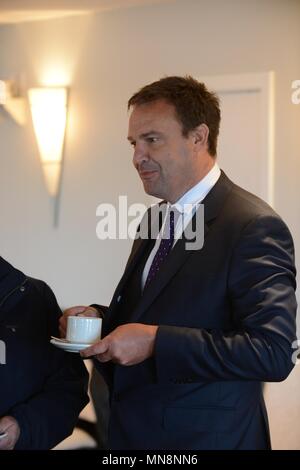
(83, 329)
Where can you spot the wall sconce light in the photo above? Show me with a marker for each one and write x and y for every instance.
(49, 115)
(11, 101)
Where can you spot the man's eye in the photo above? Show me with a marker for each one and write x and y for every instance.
(133, 144)
(152, 140)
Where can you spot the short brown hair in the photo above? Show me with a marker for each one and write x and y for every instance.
(193, 103)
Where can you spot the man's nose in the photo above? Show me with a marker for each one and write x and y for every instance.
(139, 155)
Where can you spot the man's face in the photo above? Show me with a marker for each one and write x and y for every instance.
(163, 157)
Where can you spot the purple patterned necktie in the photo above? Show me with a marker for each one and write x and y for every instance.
(164, 247)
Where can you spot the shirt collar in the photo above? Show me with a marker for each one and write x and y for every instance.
(197, 193)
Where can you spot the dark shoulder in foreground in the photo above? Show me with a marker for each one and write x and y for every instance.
(247, 207)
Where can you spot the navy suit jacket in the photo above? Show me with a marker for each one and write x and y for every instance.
(226, 316)
(42, 387)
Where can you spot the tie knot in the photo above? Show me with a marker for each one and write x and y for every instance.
(165, 246)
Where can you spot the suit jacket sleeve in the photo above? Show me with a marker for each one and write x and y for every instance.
(50, 415)
(104, 368)
(261, 290)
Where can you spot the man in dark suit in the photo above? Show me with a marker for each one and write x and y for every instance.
(43, 389)
(191, 334)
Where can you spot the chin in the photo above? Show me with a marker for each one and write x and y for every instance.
(153, 193)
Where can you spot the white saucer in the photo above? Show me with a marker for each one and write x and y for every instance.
(66, 345)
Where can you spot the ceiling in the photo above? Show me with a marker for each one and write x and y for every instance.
(16, 11)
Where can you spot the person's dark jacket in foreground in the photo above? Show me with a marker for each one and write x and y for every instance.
(42, 387)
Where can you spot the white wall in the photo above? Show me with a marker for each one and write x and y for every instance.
(104, 58)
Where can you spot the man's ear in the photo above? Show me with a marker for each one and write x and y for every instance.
(200, 135)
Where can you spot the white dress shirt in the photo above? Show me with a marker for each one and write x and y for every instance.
(186, 206)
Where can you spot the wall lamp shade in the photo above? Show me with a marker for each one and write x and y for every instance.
(49, 116)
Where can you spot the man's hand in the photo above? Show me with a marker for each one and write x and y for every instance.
(127, 345)
(10, 426)
(82, 311)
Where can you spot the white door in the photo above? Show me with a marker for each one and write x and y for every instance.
(245, 148)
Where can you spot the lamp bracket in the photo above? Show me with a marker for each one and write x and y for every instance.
(12, 101)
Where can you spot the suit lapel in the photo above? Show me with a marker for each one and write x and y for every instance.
(171, 265)
(180, 254)
(146, 236)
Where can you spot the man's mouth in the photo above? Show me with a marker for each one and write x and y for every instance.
(147, 174)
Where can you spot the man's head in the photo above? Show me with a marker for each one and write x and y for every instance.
(173, 127)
